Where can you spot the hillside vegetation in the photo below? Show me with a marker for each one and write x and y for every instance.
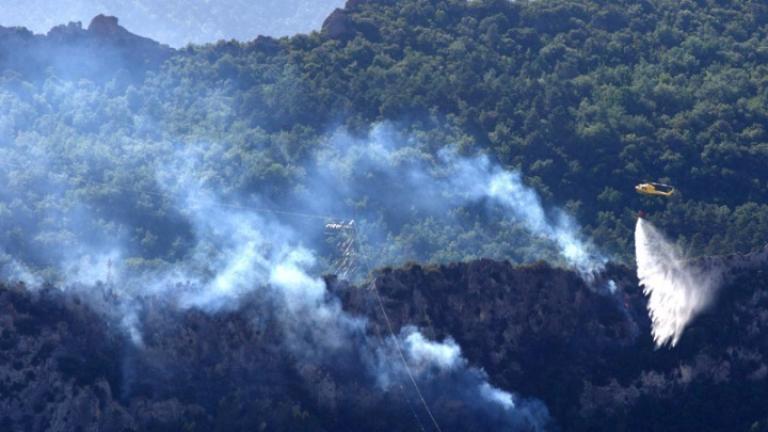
(166, 216)
(585, 98)
(537, 329)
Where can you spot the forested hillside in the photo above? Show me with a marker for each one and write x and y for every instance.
(537, 329)
(211, 238)
(585, 98)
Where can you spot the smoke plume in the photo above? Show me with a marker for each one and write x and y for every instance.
(442, 371)
(402, 182)
(677, 290)
(132, 209)
(239, 253)
(226, 247)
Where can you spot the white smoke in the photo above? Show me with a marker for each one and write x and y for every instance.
(433, 186)
(441, 368)
(13, 270)
(423, 353)
(480, 178)
(236, 252)
(498, 396)
(89, 269)
(677, 290)
(508, 189)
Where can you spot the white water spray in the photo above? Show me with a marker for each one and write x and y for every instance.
(677, 290)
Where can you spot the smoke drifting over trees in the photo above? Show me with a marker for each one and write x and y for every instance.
(237, 253)
(590, 358)
(227, 247)
(177, 200)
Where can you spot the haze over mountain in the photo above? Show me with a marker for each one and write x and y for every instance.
(178, 22)
(419, 217)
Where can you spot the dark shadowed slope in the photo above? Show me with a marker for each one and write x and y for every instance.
(590, 357)
(536, 329)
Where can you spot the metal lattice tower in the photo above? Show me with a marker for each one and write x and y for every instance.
(343, 234)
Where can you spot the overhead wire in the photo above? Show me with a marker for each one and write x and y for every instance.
(401, 355)
(380, 303)
(372, 287)
(415, 415)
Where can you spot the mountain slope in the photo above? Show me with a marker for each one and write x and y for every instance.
(536, 329)
(178, 23)
(586, 98)
(98, 53)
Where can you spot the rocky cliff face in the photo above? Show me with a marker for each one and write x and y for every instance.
(342, 25)
(537, 330)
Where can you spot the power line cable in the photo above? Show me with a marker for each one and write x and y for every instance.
(399, 348)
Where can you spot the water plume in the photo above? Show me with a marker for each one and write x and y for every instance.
(677, 289)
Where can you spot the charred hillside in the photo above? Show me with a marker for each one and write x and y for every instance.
(538, 330)
(588, 356)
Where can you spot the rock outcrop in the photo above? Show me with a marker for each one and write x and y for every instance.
(341, 25)
(101, 52)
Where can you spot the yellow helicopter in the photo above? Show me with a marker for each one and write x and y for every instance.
(655, 189)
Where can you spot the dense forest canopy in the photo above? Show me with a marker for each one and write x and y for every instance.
(585, 98)
(193, 203)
